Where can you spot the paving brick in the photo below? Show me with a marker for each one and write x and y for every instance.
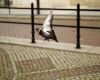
(6, 71)
(37, 63)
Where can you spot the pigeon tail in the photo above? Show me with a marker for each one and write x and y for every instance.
(56, 39)
(53, 36)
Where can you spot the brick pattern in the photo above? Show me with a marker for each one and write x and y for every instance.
(69, 34)
(67, 73)
(6, 71)
(34, 63)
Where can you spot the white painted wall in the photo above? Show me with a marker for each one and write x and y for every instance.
(44, 3)
(23, 3)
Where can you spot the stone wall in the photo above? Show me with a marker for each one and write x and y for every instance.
(43, 3)
(57, 3)
(23, 3)
(89, 3)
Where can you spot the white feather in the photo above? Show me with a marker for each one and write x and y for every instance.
(46, 25)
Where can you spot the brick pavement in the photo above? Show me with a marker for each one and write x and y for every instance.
(6, 70)
(88, 36)
(37, 63)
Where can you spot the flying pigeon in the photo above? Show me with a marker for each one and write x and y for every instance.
(47, 32)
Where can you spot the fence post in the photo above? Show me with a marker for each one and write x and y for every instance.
(78, 27)
(38, 7)
(32, 23)
(9, 6)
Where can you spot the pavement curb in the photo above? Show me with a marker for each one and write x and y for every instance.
(70, 17)
(52, 45)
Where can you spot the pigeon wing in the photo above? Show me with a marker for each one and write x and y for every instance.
(47, 24)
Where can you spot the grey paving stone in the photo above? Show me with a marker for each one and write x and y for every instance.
(37, 63)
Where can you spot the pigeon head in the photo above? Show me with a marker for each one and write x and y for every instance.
(38, 30)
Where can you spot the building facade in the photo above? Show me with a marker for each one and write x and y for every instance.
(51, 3)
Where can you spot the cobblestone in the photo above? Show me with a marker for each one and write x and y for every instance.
(19, 62)
(6, 71)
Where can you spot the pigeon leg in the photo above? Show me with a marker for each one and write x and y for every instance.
(46, 39)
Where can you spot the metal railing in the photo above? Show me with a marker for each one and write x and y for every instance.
(71, 26)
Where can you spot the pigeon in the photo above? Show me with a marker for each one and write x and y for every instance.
(47, 32)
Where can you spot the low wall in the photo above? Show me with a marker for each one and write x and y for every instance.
(89, 3)
(57, 3)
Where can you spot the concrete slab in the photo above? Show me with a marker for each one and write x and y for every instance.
(53, 45)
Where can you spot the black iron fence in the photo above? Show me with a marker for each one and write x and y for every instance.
(78, 10)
